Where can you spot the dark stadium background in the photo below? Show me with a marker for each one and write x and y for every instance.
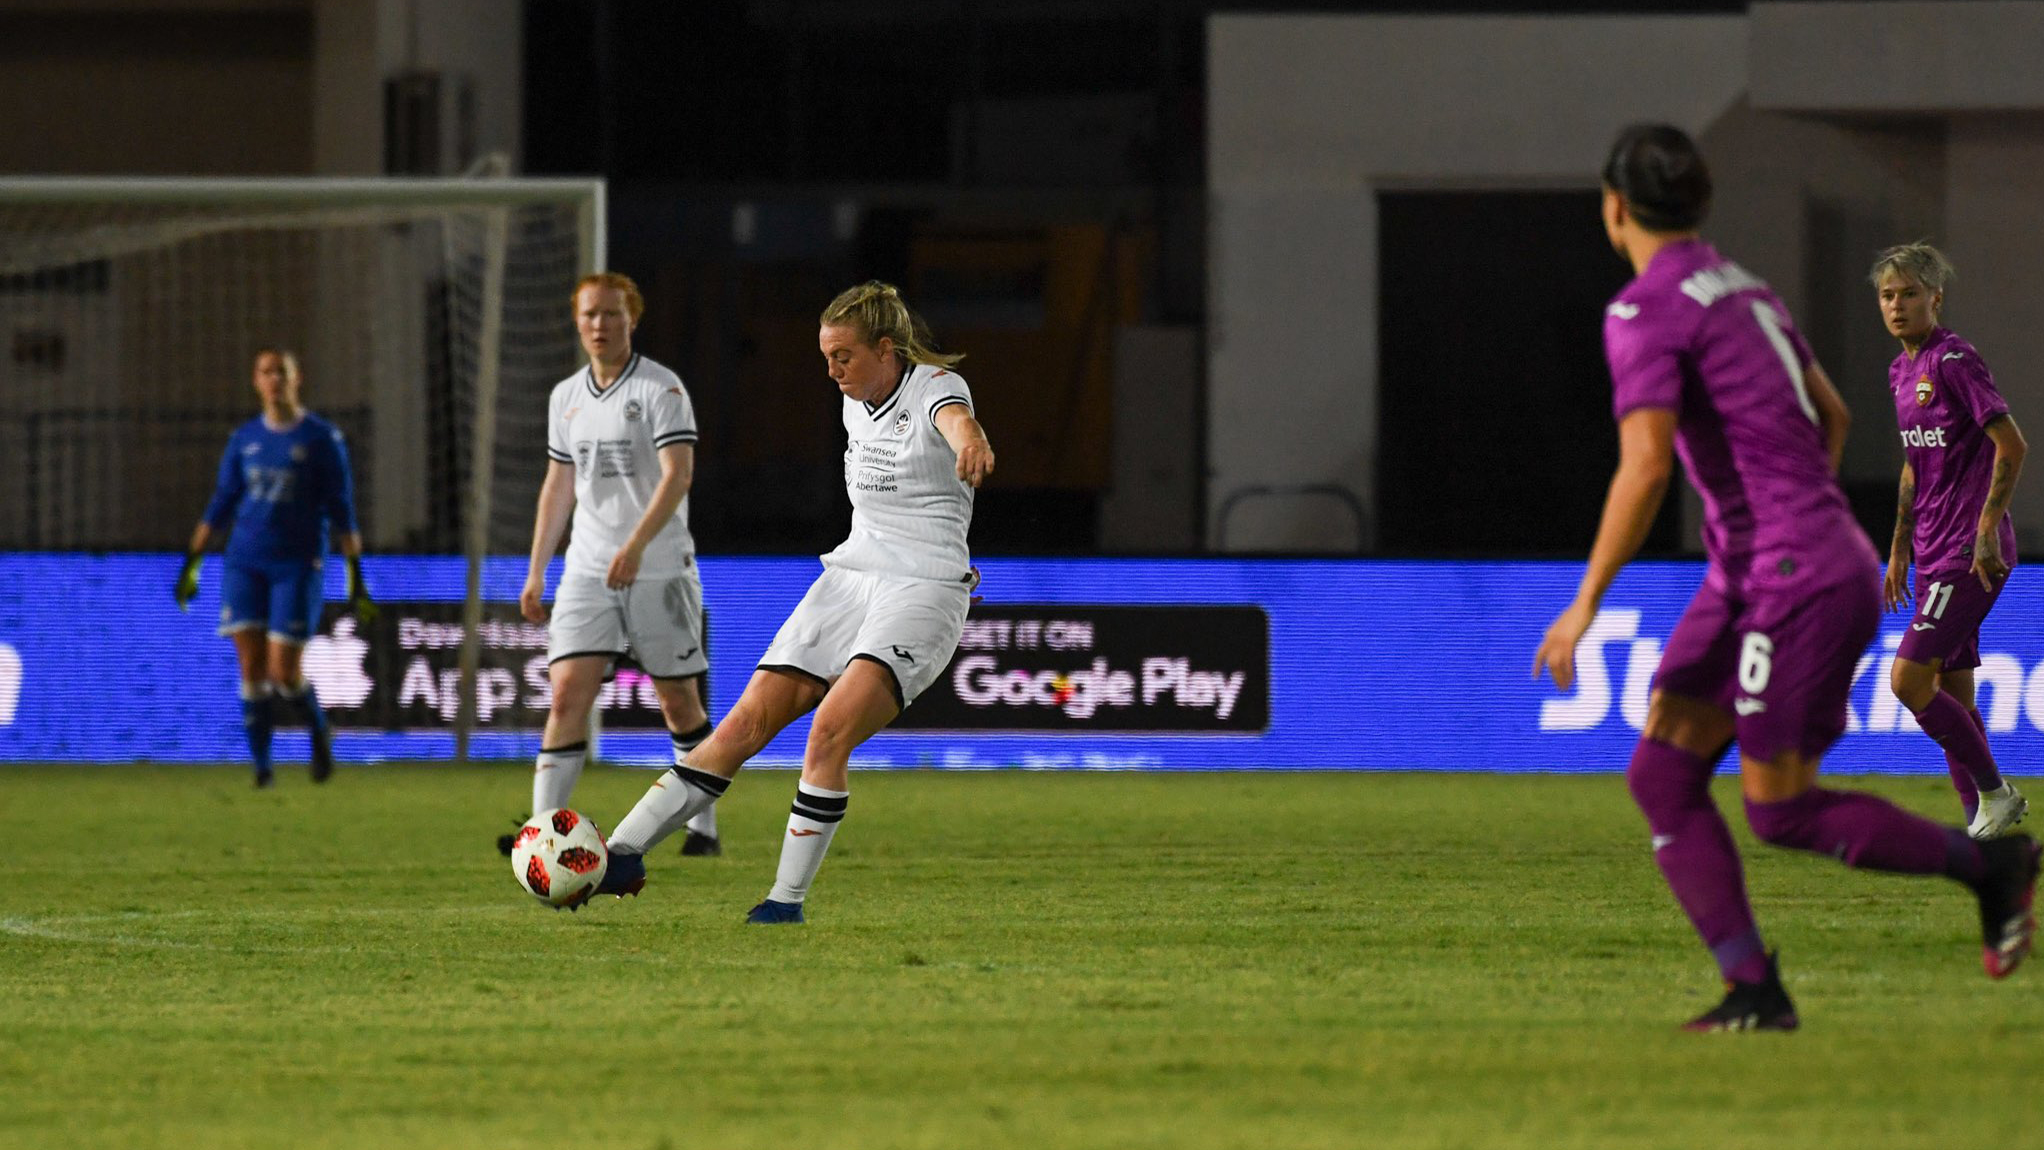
(993, 148)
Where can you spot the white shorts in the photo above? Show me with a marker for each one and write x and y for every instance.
(660, 621)
(909, 626)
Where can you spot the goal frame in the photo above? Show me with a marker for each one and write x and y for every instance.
(588, 195)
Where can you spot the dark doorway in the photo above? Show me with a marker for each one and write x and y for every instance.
(1494, 428)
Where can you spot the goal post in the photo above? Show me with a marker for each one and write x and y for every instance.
(431, 317)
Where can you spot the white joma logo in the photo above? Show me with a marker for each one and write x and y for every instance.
(1923, 626)
(1623, 310)
(1748, 706)
(1952, 355)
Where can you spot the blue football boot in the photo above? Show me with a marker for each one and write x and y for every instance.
(625, 875)
(769, 911)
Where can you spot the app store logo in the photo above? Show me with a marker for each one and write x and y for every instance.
(334, 665)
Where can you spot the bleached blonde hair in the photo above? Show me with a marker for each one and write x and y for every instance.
(1918, 261)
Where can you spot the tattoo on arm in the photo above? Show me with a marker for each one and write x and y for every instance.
(1999, 491)
(1905, 515)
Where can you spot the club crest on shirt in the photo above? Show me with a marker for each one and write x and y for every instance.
(901, 421)
(297, 453)
(1923, 390)
(633, 411)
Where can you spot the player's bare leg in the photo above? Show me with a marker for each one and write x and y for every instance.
(771, 701)
(258, 713)
(564, 743)
(688, 724)
(860, 703)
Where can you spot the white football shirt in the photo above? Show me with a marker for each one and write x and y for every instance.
(910, 511)
(612, 436)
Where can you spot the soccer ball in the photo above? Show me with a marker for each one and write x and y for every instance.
(559, 857)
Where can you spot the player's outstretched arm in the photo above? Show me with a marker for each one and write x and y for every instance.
(1646, 462)
(556, 504)
(968, 441)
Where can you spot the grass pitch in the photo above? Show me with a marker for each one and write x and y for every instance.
(997, 960)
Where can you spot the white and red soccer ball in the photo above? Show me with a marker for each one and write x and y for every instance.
(559, 857)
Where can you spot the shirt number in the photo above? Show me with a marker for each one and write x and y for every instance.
(1770, 325)
(271, 484)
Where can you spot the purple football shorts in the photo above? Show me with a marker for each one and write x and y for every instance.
(1949, 611)
(1780, 663)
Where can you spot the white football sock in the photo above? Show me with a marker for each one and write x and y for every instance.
(705, 821)
(554, 774)
(673, 799)
(812, 823)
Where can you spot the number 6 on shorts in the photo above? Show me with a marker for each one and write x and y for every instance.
(1756, 663)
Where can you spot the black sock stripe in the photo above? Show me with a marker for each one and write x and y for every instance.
(570, 749)
(687, 740)
(713, 785)
(822, 808)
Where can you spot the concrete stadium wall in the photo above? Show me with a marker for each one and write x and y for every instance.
(238, 87)
(1919, 122)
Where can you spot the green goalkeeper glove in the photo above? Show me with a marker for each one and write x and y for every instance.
(359, 603)
(188, 581)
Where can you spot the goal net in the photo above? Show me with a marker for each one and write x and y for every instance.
(430, 316)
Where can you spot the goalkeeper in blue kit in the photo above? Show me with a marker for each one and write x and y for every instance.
(284, 484)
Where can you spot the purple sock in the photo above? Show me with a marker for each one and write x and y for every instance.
(1945, 720)
(1694, 850)
(1962, 779)
(1866, 832)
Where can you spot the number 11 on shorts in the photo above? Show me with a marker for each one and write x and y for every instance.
(1936, 598)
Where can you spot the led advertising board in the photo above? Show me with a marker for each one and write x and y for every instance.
(1067, 664)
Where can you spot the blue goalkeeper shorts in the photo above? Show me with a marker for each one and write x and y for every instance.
(283, 599)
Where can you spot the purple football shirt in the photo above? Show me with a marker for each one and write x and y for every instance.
(1944, 399)
(1701, 336)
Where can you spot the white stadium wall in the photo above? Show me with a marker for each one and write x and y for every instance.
(1309, 117)
(1947, 103)
(362, 42)
(1919, 123)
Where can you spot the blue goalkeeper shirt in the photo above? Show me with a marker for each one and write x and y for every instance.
(284, 490)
